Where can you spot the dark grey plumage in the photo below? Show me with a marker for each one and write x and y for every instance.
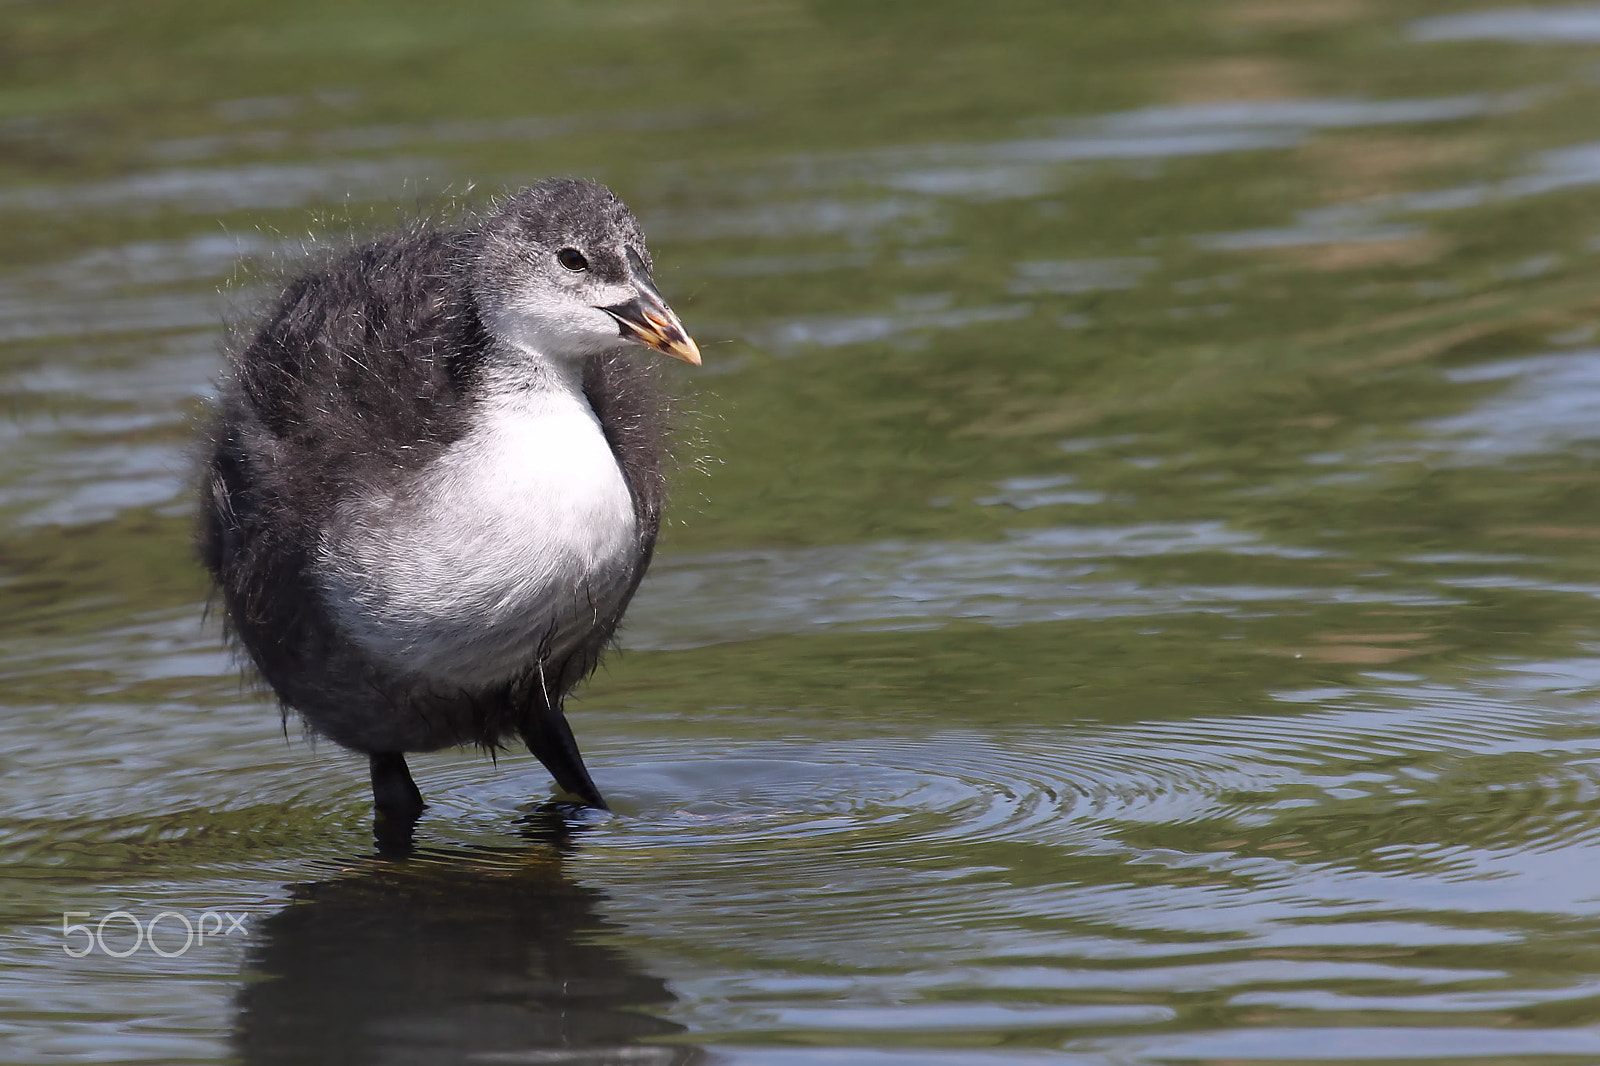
(373, 369)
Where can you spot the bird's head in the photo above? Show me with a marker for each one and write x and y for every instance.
(562, 270)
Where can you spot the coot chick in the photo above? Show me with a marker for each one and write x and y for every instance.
(434, 481)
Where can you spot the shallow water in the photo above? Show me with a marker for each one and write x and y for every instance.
(1129, 595)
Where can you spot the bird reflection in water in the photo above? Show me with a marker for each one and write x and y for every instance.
(469, 955)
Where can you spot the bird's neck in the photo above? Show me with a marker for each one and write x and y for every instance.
(525, 378)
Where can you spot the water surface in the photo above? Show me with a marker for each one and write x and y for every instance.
(1129, 592)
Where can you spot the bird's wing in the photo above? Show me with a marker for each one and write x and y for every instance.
(353, 378)
(359, 373)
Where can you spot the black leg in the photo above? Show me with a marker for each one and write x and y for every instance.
(396, 800)
(550, 738)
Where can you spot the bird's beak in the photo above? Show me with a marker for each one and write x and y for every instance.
(648, 320)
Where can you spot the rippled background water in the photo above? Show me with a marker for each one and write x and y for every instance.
(1131, 589)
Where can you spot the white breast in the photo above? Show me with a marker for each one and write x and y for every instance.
(510, 545)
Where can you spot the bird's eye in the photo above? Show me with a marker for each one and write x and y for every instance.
(572, 259)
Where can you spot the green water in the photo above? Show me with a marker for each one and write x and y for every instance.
(1130, 588)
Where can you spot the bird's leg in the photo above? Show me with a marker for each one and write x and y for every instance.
(396, 800)
(548, 736)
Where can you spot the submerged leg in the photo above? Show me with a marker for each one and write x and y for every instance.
(550, 738)
(395, 797)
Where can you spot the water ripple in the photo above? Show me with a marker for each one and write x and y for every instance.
(1031, 576)
(1276, 794)
(1574, 24)
(221, 189)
